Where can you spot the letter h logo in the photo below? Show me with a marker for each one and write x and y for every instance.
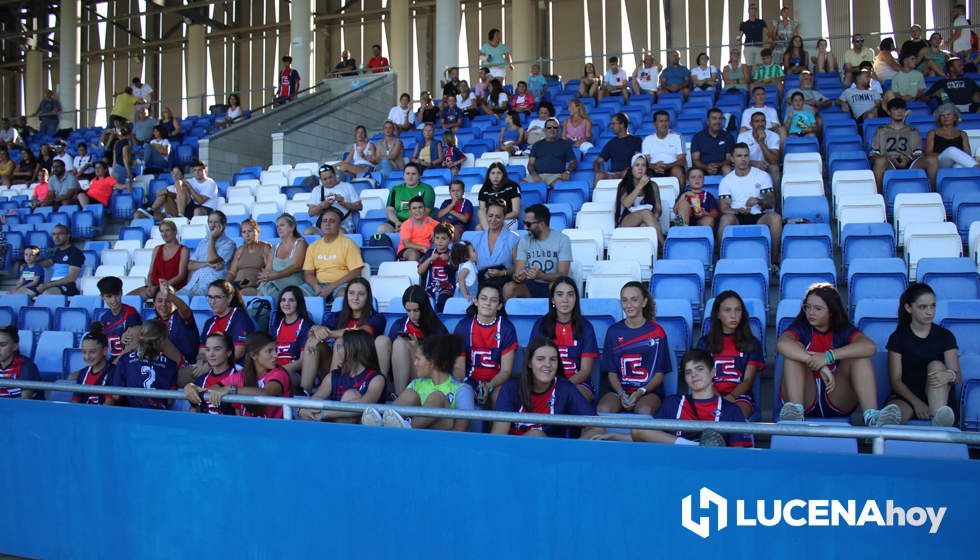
(702, 527)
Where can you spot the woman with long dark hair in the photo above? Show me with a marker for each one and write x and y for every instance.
(736, 351)
(219, 351)
(358, 379)
(635, 355)
(923, 360)
(358, 312)
(396, 352)
(542, 389)
(95, 344)
(259, 376)
(827, 369)
(638, 198)
(435, 387)
(572, 333)
(489, 343)
(13, 365)
(292, 329)
(284, 263)
(146, 367)
(228, 306)
(499, 186)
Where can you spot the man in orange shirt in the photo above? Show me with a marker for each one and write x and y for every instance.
(416, 232)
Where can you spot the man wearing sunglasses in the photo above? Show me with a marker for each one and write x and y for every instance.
(339, 194)
(552, 159)
(540, 257)
(854, 57)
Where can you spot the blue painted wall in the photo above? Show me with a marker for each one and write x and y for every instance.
(96, 482)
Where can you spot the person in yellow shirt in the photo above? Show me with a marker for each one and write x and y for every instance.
(125, 105)
(333, 260)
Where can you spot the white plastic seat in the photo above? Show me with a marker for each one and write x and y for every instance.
(298, 208)
(153, 243)
(130, 245)
(299, 173)
(852, 182)
(311, 167)
(193, 232)
(932, 240)
(635, 243)
(607, 185)
(110, 270)
(247, 183)
(400, 268)
(489, 157)
(272, 178)
(608, 278)
(282, 168)
(240, 197)
(605, 196)
(132, 282)
(384, 288)
(917, 208)
(118, 257)
(805, 159)
(596, 216)
(859, 209)
(588, 246)
(142, 257)
(265, 209)
(199, 220)
(89, 285)
(301, 196)
(140, 271)
(235, 209)
(801, 184)
(267, 192)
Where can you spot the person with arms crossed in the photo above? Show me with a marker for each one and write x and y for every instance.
(617, 151)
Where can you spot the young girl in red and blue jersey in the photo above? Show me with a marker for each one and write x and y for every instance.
(489, 344)
(292, 329)
(704, 404)
(436, 269)
(259, 376)
(572, 333)
(229, 316)
(120, 317)
(15, 366)
(358, 312)
(219, 351)
(827, 369)
(146, 367)
(543, 388)
(358, 379)
(396, 352)
(95, 344)
(454, 157)
(737, 352)
(635, 356)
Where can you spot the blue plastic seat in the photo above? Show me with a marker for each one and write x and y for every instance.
(34, 319)
(926, 449)
(122, 205)
(72, 319)
(898, 181)
(16, 241)
(83, 224)
(877, 319)
(842, 446)
(374, 256)
(814, 209)
(970, 405)
(800, 145)
(798, 274)
(962, 317)
(564, 210)
(523, 313)
(41, 240)
(866, 241)
(679, 279)
(806, 240)
(950, 278)
(572, 197)
(72, 360)
(876, 278)
(748, 277)
(7, 316)
(786, 312)
(316, 308)
(840, 161)
(953, 181)
(692, 242)
(746, 242)
(674, 317)
(89, 302)
(50, 361)
(454, 312)
(966, 210)
(533, 193)
(51, 301)
(370, 221)
(602, 313)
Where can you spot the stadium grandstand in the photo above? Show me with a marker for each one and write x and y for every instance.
(360, 243)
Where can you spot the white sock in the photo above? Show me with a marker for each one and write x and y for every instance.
(683, 441)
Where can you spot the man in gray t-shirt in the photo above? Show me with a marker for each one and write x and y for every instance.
(540, 257)
(862, 101)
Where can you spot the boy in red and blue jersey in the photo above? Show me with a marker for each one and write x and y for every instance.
(120, 317)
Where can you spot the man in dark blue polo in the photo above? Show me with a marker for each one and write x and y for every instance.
(552, 159)
(711, 149)
(617, 151)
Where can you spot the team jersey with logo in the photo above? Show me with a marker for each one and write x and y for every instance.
(20, 368)
(116, 325)
(561, 398)
(340, 383)
(236, 323)
(290, 340)
(571, 348)
(715, 409)
(276, 375)
(485, 345)
(816, 341)
(133, 371)
(223, 379)
(636, 355)
(440, 278)
(730, 363)
(88, 377)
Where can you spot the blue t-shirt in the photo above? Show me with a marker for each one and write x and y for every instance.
(465, 208)
(636, 355)
(450, 115)
(30, 273)
(133, 371)
(716, 409)
(675, 75)
(713, 149)
(619, 151)
(536, 85)
(561, 398)
(552, 157)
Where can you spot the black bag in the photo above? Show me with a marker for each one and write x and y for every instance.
(260, 310)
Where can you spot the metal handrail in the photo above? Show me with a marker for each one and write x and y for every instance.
(878, 435)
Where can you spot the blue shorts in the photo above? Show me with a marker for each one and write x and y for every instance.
(120, 173)
(538, 289)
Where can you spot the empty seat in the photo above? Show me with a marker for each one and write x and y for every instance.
(523, 313)
(51, 301)
(34, 319)
(639, 244)
(931, 240)
(925, 449)
(850, 182)
(746, 242)
(953, 181)
(917, 208)
(950, 278)
(866, 240)
(384, 288)
(962, 317)
(844, 446)
(876, 318)
(596, 216)
(966, 212)
(876, 278)
(50, 363)
(674, 316)
(807, 240)
(798, 274)
(72, 319)
(748, 277)
(809, 208)
(692, 242)
(786, 312)
(608, 278)
(859, 209)
(409, 270)
(587, 247)
(899, 181)
(679, 279)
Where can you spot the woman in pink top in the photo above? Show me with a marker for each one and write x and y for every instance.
(578, 126)
(261, 376)
(99, 189)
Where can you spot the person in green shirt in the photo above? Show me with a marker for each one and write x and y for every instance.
(909, 84)
(768, 74)
(400, 195)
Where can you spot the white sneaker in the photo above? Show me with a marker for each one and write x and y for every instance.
(944, 417)
(394, 420)
(371, 417)
(791, 411)
(887, 416)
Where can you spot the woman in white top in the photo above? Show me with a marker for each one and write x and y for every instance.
(234, 113)
(781, 33)
(158, 158)
(704, 76)
(361, 158)
(885, 65)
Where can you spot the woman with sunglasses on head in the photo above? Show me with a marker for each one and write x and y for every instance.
(572, 333)
(396, 352)
(358, 312)
(357, 379)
